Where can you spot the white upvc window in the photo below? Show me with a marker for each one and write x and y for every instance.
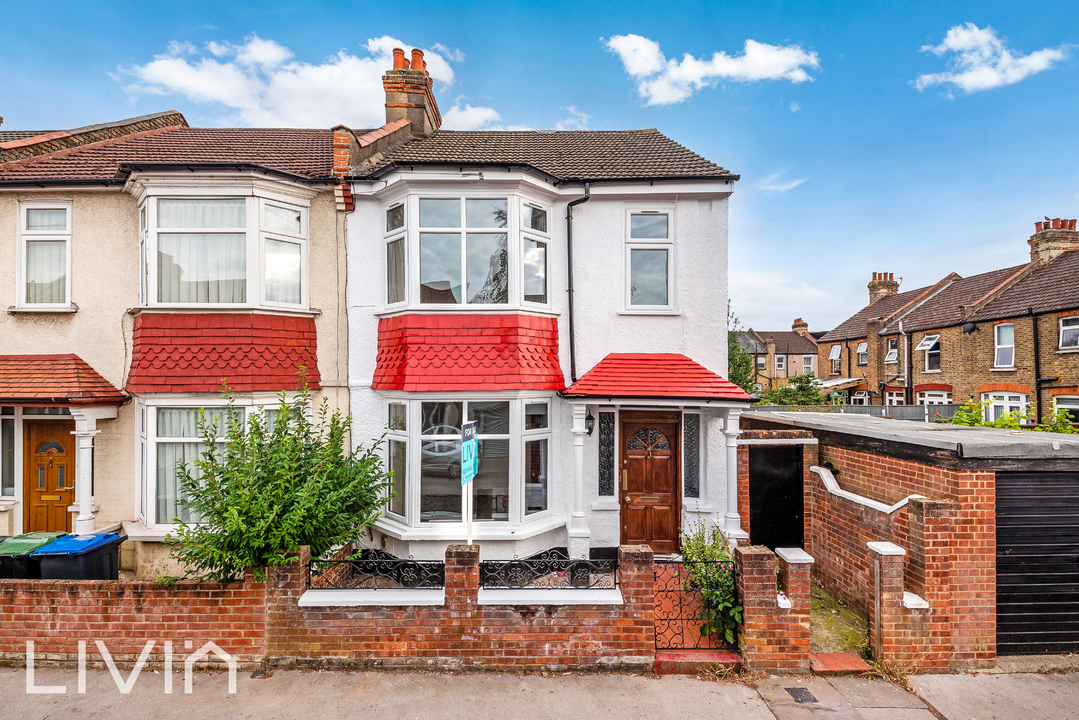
(512, 484)
(225, 252)
(893, 397)
(464, 251)
(1069, 404)
(1001, 403)
(807, 363)
(834, 356)
(859, 397)
(43, 274)
(892, 355)
(649, 260)
(933, 397)
(535, 258)
(762, 361)
(930, 344)
(396, 255)
(863, 353)
(781, 363)
(1004, 345)
(1069, 332)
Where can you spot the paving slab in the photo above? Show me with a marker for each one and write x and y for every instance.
(896, 714)
(837, 663)
(873, 693)
(787, 700)
(1021, 696)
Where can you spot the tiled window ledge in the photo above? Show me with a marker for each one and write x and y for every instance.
(372, 598)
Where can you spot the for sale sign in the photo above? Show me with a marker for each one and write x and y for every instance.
(469, 451)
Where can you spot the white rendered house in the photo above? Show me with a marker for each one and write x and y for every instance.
(568, 291)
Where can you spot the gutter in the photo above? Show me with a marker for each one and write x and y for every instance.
(124, 171)
(569, 269)
(554, 179)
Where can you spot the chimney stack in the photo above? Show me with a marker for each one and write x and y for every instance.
(1052, 238)
(409, 93)
(801, 327)
(881, 286)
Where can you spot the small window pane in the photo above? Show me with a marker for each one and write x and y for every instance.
(1005, 334)
(283, 220)
(648, 226)
(7, 457)
(46, 219)
(46, 271)
(283, 271)
(485, 213)
(1069, 332)
(398, 415)
(440, 268)
(50, 445)
(202, 268)
(440, 479)
(395, 217)
(535, 476)
(183, 422)
(488, 271)
(398, 465)
(535, 267)
(441, 418)
(202, 213)
(535, 218)
(41, 477)
(395, 271)
(436, 213)
(60, 480)
(491, 486)
(493, 417)
(648, 277)
(535, 416)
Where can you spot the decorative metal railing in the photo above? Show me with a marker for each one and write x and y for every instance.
(678, 606)
(552, 569)
(375, 570)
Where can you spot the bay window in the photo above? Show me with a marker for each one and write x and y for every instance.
(534, 253)
(649, 267)
(45, 256)
(423, 450)
(224, 252)
(1004, 345)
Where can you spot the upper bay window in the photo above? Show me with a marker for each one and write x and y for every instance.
(45, 256)
(225, 252)
(469, 251)
(649, 265)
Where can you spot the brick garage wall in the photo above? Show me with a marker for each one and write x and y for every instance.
(57, 614)
(463, 634)
(809, 458)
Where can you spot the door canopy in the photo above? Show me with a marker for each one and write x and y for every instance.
(53, 380)
(666, 376)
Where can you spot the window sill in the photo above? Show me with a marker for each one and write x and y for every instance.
(1002, 369)
(466, 309)
(69, 309)
(931, 372)
(1065, 351)
(529, 596)
(372, 598)
(480, 530)
(650, 312)
(137, 532)
(313, 312)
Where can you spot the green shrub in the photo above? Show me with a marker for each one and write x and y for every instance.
(283, 481)
(710, 568)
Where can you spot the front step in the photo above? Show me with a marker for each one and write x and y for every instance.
(689, 662)
(837, 664)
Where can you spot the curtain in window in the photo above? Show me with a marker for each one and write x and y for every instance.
(395, 271)
(283, 270)
(7, 457)
(202, 268)
(46, 219)
(202, 213)
(46, 271)
(169, 495)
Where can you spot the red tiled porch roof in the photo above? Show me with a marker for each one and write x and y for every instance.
(198, 352)
(654, 375)
(440, 353)
(53, 380)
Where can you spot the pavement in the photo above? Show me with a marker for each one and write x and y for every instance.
(393, 696)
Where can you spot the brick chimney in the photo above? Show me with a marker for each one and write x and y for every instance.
(409, 94)
(801, 327)
(1052, 238)
(881, 286)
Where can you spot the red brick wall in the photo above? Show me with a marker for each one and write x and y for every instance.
(773, 639)
(57, 614)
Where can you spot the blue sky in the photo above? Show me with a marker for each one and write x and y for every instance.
(850, 164)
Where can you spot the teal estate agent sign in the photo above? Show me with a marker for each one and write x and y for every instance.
(469, 451)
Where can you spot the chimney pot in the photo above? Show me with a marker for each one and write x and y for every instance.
(1071, 223)
(417, 59)
(1037, 227)
(399, 62)
(1056, 223)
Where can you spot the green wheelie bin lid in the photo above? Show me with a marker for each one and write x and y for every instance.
(27, 542)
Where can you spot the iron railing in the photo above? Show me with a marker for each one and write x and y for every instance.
(678, 606)
(375, 570)
(550, 570)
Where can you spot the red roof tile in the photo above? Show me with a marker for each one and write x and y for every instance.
(660, 375)
(438, 353)
(198, 352)
(55, 380)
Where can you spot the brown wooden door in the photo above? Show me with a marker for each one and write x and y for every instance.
(650, 462)
(50, 476)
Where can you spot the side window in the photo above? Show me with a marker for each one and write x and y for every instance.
(833, 355)
(649, 261)
(534, 258)
(396, 253)
(45, 256)
(1004, 345)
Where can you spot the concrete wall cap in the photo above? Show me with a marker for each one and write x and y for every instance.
(794, 556)
(886, 548)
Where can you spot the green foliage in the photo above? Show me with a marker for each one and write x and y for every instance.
(711, 572)
(973, 414)
(272, 487)
(741, 369)
(1059, 422)
(800, 390)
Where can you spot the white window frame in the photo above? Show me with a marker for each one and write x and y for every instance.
(1068, 323)
(255, 258)
(391, 236)
(835, 352)
(863, 353)
(398, 435)
(933, 397)
(518, 436)
(781, 363)
(24, 235)
(893, 397)
(536, 236)
(927, 342)
(997, 346)
(930, 345)
(859, 397)
(1006, 402)
(807, 363)
(1071, 404)
(667, 244)
(762, 363)
(891, 357)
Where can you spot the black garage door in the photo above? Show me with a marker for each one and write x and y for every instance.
(775, 496)
(1037, 563)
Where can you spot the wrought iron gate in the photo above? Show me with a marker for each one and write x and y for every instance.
(678, 609)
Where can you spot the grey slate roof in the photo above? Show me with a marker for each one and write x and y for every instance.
(1052, 287)
(943, 309)
(7, 135)
(854, 327)
(787, 342)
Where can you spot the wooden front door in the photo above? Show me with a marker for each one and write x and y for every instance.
(50, 476)
(650, 462)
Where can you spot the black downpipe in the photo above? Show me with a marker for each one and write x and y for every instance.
(1037, 368)
(569, 263)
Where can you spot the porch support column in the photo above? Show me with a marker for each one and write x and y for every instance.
(732, 520)
(85, 430)
(577, 526)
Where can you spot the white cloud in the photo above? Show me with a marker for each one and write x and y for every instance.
(260, 83)
(452, 55)
(795, 107)
(576, 120)
(665, 82)
(982, 62)
(470, 118)
(775, 183)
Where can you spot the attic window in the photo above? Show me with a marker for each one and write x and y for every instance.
(927, 342)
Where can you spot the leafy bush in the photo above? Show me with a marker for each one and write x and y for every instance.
(973, 414)
(711, 572)
(800, 390)
(1059, 422)
(281, 482)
